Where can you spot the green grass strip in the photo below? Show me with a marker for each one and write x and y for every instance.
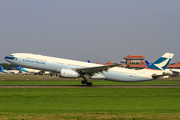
(70, 103)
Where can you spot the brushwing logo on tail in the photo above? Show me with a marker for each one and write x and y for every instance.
(162, 65)
(162, 62)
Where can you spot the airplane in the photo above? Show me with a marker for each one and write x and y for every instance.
(175, 71)
(9, 71)
(35, 71)
(74, 69)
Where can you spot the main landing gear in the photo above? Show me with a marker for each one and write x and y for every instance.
(86, 82)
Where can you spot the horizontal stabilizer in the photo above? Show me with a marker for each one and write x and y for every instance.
(158, 76)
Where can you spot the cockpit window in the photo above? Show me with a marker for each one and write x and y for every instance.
(10, 55)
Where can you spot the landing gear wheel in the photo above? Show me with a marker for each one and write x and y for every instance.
(89, 83)
(83, 82)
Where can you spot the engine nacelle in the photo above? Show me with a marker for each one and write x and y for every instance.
(68, 73)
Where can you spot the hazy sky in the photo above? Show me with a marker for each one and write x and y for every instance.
(96, 30)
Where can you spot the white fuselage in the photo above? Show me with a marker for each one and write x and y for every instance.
(54, 64)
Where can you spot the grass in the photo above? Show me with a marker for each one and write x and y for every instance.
(36, 80)
(102, 103)
(88, 103)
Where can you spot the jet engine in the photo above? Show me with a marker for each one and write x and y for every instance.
(68, 73)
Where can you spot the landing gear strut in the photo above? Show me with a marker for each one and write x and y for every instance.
(85, 81)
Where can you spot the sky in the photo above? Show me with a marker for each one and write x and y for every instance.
(95, 30)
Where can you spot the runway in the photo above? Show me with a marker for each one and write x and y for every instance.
(94, 86)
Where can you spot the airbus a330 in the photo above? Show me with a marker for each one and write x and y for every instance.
(74, 69)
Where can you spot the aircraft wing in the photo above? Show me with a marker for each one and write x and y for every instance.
(175, 70)
(93, 70)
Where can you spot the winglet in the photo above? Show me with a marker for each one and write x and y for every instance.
(162, 62)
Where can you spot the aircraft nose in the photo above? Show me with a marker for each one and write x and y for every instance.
(5, 57)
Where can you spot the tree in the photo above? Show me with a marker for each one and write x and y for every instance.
(7, 66)
(128, 66)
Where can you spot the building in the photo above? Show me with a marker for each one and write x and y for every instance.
(108, 63)
(134, 59)
(175, 66)
(138, 62)
(137, 66)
